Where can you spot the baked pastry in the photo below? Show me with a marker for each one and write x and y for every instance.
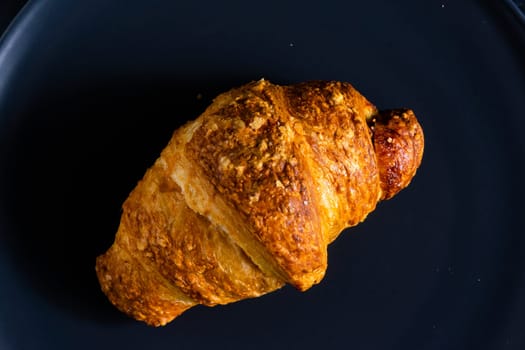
(246, 198)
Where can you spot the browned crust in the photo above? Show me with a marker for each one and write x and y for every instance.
(168, 258)
(249, 152)
(138, 291)
(399, 143)
(333, 120)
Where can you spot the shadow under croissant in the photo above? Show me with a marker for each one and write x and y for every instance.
(72, 159)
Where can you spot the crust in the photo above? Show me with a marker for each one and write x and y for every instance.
(399, 143)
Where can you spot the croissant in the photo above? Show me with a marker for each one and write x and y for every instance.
(246, 198)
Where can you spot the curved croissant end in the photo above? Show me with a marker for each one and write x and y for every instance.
(398, 143)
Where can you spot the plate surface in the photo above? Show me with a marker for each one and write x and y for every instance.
(90, 92)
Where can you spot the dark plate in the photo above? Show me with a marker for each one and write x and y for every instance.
(90, 92)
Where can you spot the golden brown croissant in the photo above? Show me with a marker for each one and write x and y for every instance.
(247, 197)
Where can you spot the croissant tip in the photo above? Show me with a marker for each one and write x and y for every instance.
(398, 142)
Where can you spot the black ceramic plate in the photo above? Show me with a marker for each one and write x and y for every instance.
(90, 92)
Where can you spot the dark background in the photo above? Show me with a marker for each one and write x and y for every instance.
(8, 10)
(90, 92)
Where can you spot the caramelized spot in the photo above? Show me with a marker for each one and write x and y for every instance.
(398, 142)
